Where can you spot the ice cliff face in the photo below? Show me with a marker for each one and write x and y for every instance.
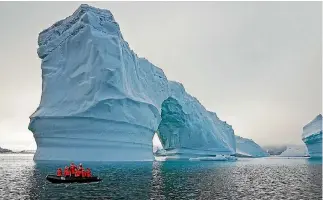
(248, 148)
(99, 100)
(225, 130)
(188, 130)
(312, 137)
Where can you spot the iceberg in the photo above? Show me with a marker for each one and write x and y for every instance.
(187, 130)
(312, 137)
(248, 148)
(275, 150)
(3, 150)
(100, 101)
(295, 151)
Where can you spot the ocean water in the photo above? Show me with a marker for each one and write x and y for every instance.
(259, 178)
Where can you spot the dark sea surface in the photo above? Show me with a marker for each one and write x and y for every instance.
(258, 178)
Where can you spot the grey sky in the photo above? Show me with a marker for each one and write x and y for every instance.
(256, 64)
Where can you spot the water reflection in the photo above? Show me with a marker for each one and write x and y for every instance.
(246, 179)
(157, 183)
(15, 176)
(312, 170)
(189, 180)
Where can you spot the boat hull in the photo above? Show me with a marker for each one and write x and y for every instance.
(61, 179)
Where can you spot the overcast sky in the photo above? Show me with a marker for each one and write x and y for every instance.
(256, 64)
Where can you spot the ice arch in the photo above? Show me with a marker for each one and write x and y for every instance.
(188, 130)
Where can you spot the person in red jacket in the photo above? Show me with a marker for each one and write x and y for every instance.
(78, 173)
(80, 167)
(59, 172)
(72, 169)
(67, 172)
(84, 174)
(88, 172)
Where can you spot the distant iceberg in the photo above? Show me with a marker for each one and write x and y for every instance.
(275, 150)
(295, 151)
(248, 148)
(312, 137)
(3, 150)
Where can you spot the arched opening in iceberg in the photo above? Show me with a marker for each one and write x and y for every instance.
(188, 131)
(156, 143)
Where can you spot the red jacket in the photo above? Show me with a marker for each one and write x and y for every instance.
(78, 173)
(67, 172)
(72, 168)
(59, 172)
(83, 173)
(88, 173)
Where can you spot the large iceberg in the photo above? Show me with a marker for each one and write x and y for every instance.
(99, 100)
(187, 130)
(312, 137)
(248, 148)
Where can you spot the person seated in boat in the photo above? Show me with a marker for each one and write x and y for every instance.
(72, 169)
(88, 172)
(67, 172)
(59, 172)
(78, 173)
(84, 174)
(80, 167)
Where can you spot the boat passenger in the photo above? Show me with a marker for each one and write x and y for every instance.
(59, 172)
(80, 167)
(78, 173)
(84, 174)
(72, 169)
(88, 172)
(67, 172)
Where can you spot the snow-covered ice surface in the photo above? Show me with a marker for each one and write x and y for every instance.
(188, 130)
(99, 100)
(312, 137)
(248, 148)
(295, 151)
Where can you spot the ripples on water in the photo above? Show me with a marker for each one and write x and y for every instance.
(263, 178)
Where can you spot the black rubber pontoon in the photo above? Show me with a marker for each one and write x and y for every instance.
(61, 179)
